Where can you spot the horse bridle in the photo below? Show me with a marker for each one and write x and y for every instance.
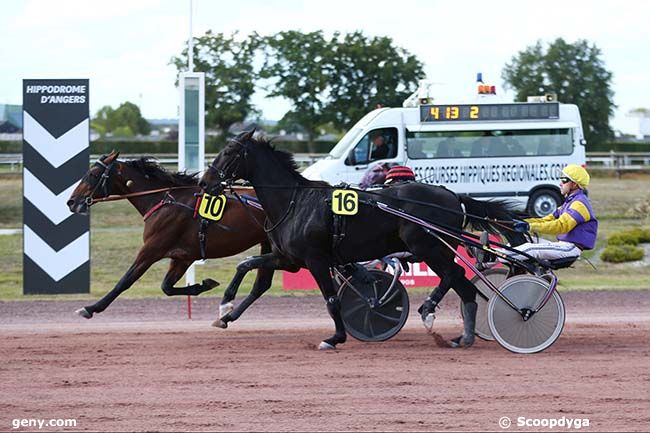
(102, 182)
(221, 175)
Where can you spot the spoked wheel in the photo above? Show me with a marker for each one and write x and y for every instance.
(496, 276)
(509, 327)
(372, 313)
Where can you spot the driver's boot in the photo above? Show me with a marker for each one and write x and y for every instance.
(427, 312)
(469, 326)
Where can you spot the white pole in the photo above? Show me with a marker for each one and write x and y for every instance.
(190, 43)
(190, 275)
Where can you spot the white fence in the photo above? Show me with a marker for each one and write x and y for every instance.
(15, 160)
(619, 161)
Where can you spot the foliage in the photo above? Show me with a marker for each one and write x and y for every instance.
(621, 253)
(369, 72)
(299, 68)
(630, 237)
(575, 72)
(125, 121)
(642, 234)
(230, 76)
(619, 146)
(336, 81)
(623, 238)
(640, 112)
(102, 147)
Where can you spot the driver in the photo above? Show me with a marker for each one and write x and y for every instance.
(574, 222)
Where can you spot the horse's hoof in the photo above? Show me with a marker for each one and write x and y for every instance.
(220, 324)
(210, 284)
(325, 346)
(428, 322)
(84, 313)
(461, 342)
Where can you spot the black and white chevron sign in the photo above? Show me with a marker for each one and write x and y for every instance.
(56, 133)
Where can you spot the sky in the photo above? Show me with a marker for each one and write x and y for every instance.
(124, 46)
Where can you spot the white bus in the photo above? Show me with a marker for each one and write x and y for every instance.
(486, 149)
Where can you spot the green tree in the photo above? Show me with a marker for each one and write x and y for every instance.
(230, 76)
(298, 67)
(575, 72)
(126, 120)
(368, 72)
(336, 81)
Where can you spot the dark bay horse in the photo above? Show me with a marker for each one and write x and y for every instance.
(300, 224)
(170, 229)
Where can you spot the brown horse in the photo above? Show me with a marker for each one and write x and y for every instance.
(166, 201)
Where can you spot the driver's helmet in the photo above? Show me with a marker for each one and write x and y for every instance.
(399, 173)
(577, 174)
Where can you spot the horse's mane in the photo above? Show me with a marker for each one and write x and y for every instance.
(149, 167)
(285, 158)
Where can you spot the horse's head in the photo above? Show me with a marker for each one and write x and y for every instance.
(96, 183)
(229, 165)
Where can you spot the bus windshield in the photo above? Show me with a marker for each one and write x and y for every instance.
(344, 143)
(489, 143)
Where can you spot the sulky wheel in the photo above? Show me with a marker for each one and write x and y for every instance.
(370, 313)
(496, 276)
(509, 327)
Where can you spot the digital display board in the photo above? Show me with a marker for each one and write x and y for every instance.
(489, 112)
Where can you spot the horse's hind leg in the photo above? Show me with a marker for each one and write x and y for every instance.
(143, 261)
(453, 275)
(176, 270)
(321, 273)
(428, 307)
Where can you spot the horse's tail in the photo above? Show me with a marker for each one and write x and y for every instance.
(501, 212)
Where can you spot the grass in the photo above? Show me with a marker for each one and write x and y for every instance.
(112, 252)
(116, 236)
(11, 200)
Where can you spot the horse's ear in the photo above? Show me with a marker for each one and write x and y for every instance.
(248, 135)
(112, 156)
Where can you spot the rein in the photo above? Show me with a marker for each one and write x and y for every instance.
(505, 224)
(91, 200)
(276, 225)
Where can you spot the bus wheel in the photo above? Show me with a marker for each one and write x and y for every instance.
(543, 202)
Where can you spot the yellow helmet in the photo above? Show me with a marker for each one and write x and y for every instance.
(577, 174)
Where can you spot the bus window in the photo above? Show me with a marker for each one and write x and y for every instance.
(375, 145)
(489, 144)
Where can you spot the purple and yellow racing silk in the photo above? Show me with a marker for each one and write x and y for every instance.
(573, 222)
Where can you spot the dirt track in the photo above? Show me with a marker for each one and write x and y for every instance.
(142, 365)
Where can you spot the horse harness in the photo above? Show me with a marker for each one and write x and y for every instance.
(204, 223)
(104, 187)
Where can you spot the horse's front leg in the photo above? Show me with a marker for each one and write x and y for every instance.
(243, 268)
(266, 265)
(176, 270)
(321, 272)
(143, 261)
